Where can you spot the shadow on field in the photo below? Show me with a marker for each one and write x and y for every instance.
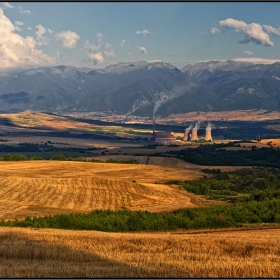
(24, 257)
(7, 122)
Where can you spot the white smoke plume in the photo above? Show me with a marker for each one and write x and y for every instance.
(174, 93)
(189, 128)
(197, 126)
(163, 98)
(209, 126)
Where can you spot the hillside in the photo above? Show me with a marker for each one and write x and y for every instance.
(39, 188)
(141, 88)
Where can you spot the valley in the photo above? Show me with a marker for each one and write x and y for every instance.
(139, 140)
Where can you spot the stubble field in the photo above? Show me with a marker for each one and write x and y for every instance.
(37, 188)
(55, 253)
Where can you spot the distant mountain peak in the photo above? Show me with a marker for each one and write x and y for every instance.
(122, 67)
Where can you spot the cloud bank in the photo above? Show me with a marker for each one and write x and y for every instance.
(254, 32)
(257, 60)
(17, 51)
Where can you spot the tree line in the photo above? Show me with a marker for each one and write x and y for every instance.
(61, 157)
(234, 215)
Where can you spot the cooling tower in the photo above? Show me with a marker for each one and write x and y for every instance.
(194, 135)
(208, 136)
(186, 135)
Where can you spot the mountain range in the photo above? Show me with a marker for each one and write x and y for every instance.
(143, 88)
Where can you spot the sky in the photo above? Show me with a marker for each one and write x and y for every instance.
(97, 34)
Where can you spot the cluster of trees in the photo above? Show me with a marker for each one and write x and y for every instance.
(61, 157)
(43, 147)
(215, 154)
(266, 211)
(18, 157)
(233, 186)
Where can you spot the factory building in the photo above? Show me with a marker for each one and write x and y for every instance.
(164, 138)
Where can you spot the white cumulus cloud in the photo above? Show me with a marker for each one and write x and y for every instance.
(96, 58)
(214, 30)
(110, 53)
(143, 50)
(25, 12)
(100, 37)
(29, 28)
(60, 55)
(108, 46)
(7, 5)
(41, 30)
(254, 31)
(92, 48)
(68, 38)
(272, 30)
(144, 32)
(122, 43)
(248, 52)
(18, 22)
(17, 51)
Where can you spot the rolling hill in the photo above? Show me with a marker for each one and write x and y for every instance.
(142, 88)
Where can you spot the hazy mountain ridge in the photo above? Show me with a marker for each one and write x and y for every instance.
(142, 88)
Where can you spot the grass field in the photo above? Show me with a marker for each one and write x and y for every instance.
(37, 120)
(37, 188)
(53, 253)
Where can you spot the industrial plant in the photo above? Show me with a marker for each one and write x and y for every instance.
(162, 137)
(190, 134)
(193, 136)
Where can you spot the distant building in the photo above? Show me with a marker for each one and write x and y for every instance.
(164, 138)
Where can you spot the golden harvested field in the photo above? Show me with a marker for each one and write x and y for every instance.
(51, 253)
(42, 120)
(37, 188)
(68, 142)
(274, 142)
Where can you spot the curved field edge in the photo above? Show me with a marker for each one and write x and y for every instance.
(52, 253)
(39, 188)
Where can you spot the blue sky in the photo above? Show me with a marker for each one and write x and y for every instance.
(98, 34)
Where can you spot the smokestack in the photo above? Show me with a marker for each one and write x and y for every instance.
(153, 124)
(208, 136)
(194, 132)
(186, 134)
